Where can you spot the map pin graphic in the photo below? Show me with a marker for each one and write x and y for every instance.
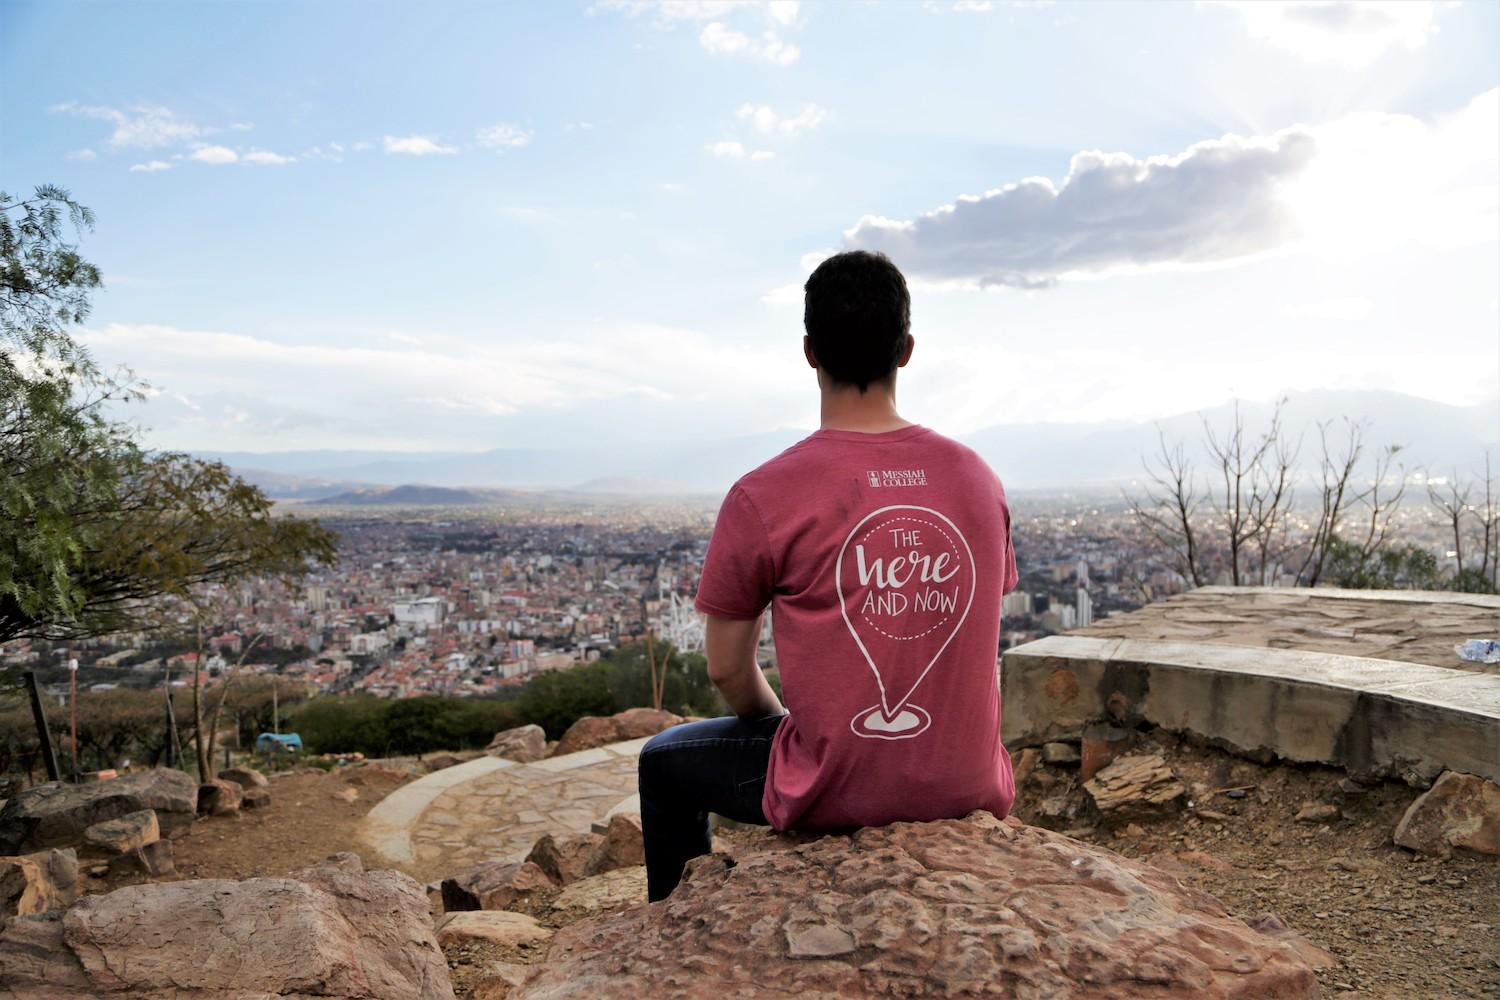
(905, 583)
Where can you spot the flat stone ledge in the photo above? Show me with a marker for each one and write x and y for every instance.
(567, 762)
(1344, 593)
(1362, 713)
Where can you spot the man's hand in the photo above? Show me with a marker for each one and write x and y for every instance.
(730, 644)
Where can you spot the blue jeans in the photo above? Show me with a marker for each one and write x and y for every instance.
(689, 771)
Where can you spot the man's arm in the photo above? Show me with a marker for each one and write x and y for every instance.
(730, 644)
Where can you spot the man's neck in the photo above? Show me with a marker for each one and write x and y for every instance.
(870, 412)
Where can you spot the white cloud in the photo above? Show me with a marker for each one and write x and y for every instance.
(1215, 202)
(783, 11)
(150, 167)
(768, 122)
(141, 127)
(214, 155)
(728, 149)
(502, 136)
(361, 146)
(1353, 33)
(374, 392)
(83, 154)
(1347, 309)
(973, 6)
(1352, 187)
(666, 12)
(266, 158)
(720, 39)
(417, 145)
(762, 154)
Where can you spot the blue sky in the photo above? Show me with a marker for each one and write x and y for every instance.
(463, 225)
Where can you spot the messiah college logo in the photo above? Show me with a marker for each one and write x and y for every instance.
(897, 477)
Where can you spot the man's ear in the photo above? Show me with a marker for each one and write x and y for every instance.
(911, 342)
(807, 351)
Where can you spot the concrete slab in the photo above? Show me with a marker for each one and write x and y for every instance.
(594, 755)
(387, 827)
(1343, 593)
(1366, 714)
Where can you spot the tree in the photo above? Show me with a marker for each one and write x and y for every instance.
(97, 534)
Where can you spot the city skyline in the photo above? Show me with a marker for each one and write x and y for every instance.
(367, 227)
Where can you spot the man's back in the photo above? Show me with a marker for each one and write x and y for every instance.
(884, 557)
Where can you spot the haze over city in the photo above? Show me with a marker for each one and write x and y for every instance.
(581, 229)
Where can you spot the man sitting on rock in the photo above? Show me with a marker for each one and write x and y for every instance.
(883, 549)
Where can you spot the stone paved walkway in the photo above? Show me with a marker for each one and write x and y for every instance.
(1409, 626)
(491, 809)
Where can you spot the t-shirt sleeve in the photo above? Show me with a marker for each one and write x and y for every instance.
(1010, 575)
(739, 573)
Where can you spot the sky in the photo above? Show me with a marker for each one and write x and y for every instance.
(463, 225)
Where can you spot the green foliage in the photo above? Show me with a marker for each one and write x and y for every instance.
(1471, 580)
(379, 727)
(557, 699)
(1394, 567)
(95, 531)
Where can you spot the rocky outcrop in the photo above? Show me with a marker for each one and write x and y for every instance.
(1459, 812)
(246, 777)
(622, 845)
(220, 797)
(565, 859)
(494, 926)
(57, 814)
(128, 833)
(522, 743)
(972, 907)
(1137, 787)
(36, 883)
(332, 931)
(631, 724)
(494, 885)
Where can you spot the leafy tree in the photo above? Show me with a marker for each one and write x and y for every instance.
(1393, 567)
(557, 699)
(96, 531)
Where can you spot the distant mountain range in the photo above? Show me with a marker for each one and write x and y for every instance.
(1043, 455)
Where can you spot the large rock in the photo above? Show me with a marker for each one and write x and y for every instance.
(128, 833)
(1135, 788)
(606, 893)
(974, 907)
(565, 859)
(522, 743)
(634, 723)
(36, 883)
(1460, 811)
(220, 797)
(493, 926)
(631, 724)
(589, 731)
(622, 845)
(246, 777)
(494, 885)
(333, 931)
(56, 814)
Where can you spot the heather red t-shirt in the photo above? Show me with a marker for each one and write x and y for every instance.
(883, 558)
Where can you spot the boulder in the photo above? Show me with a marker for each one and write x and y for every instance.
(1022, 768)
(219, 797)
(1136, 787)
(131, 831)
(332, 931)
(441, 762)
(36, 883)
(973, 907)
(634, 723)
(157, 858)
(1460, 811)
(564, 859)
(494, 885)
(589, 731)
(246, 777)
(57, 814)
(23, 888)
(609, 892)
(1060, 753)
(522, 743)
(622, 845)
(255, 797)
(492, 926)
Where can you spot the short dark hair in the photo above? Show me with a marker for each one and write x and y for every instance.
(857, 313)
